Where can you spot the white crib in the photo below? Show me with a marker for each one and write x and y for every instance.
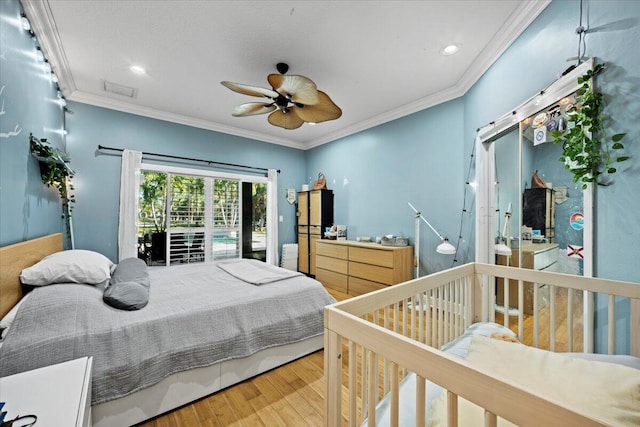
(375, 340)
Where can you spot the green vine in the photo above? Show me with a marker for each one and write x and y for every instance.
(53, 169)
(587, 153)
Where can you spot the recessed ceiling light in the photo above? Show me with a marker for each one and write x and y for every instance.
(137, 69)
(450, 50)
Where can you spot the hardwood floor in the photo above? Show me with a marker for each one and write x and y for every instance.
(293, 394)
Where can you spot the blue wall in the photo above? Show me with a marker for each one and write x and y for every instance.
(532, 63)
(423, 158)
(29, 102)
(97, 181)
(375, 173)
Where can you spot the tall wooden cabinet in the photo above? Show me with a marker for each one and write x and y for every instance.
(539, 211)
(315, 213)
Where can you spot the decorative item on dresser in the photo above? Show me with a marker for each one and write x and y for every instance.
(357, 268)
(315, 213)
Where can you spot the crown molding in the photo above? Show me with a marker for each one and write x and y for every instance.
(41, 18)
(126, 107)
(44, 26)
(519, 20)
(407, 109)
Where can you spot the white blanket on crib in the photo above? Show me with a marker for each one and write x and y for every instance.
(604, 391)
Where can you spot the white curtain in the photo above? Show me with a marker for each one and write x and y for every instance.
(128, 222)
(272, 217)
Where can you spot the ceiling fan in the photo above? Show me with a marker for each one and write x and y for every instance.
(294, 100)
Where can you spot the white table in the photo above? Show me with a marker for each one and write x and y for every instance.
(59, 395)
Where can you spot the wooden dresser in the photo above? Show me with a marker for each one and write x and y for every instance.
(357, 268)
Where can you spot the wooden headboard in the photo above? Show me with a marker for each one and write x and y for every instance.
(14, 258)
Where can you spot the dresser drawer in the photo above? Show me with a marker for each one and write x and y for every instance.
(332, 250)
(332, 264)
(379, 257)
(542, 260)
(359, 286)
(303, 229)
(315, 229)
(371, 272)
(332, 280)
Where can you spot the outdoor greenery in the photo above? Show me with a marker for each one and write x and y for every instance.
(587, 152)
(188, 201)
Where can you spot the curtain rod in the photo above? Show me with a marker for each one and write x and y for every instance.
(210, 162)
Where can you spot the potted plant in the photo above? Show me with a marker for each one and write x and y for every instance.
(587, 153)
(54, 171)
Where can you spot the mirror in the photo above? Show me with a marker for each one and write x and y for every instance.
(552, 206)
(549, 224)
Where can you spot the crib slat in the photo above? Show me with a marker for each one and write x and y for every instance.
(420, 399)
(452, 409)
(506, 300)
(395, 396)
(386, 361)
(535, 315)
(353, 386)
(421, 317)
(440, 318)
(456, 324)
(520, 310)
(552, 318)
(373, 392)
(611, 330)
(333, 377)
(587, 301)
(570, 320)
(396, 317)
(434, 318)
(363, 386)
(427, 317)
(490, 419)
(468, 301)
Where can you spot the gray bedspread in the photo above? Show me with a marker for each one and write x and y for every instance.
(197, 315)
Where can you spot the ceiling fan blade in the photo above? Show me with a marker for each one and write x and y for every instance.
(300, 88)
(289, 120)
(252, 109)
(324, 110)
(250, 90)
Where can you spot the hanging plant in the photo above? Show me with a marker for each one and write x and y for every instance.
(54, 170)
(587, 153)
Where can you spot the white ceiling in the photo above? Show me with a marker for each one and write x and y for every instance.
(377, 60)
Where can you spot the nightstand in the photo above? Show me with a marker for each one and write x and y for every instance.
(59, 395)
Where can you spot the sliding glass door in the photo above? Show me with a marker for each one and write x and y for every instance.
(188, 219)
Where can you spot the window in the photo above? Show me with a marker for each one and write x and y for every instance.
(185, 218)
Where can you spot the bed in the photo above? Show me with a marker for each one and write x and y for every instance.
(204, 328)
(415, 354)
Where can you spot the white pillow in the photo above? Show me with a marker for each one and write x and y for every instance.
(75, 266)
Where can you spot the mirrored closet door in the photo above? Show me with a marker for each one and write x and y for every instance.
(530, 213)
